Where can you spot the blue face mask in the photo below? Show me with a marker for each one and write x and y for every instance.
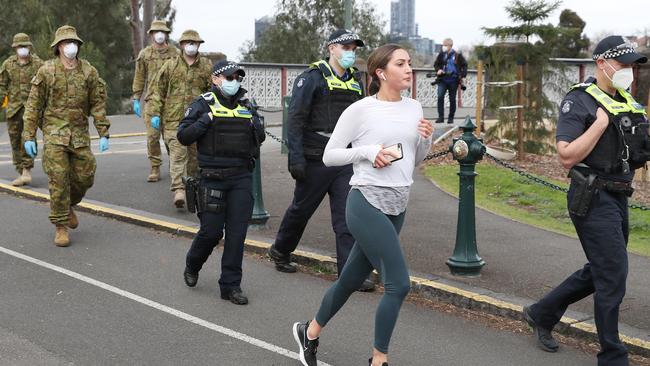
(230, 88)
(347, 59)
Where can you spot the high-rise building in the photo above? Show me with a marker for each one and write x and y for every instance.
(402, 18)
(261, 25)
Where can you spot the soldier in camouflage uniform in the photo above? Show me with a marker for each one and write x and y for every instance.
(149, 61)
(15, 76)
(178, 82)
(65, 92)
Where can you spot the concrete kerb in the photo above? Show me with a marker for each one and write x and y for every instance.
(427, 288)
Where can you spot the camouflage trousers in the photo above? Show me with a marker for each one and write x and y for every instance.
(182, 159)
(15, 128)
(70, 172)
(153, 142)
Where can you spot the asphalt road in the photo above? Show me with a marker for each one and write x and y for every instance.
(116, 297)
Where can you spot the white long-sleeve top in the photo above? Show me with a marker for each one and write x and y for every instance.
(369, 123)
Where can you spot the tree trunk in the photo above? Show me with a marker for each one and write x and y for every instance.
(136, 28)
(147, 16)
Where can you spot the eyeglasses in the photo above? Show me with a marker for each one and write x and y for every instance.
(235, 77)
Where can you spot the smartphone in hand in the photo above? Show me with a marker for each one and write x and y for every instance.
(397, 150)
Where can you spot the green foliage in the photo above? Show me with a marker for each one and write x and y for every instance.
(570, 42)
(102, 24)
(511, 195)
(302, 26)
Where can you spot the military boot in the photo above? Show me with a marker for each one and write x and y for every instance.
(179, 198)
(18, 181)
(61, 238)
(26, 176)
(73, 221)
(154, 176)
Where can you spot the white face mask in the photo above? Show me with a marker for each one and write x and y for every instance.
(191, 49)
(159, 37)
(622, 79)
(445, 49)
(22, 52)
(70, 50)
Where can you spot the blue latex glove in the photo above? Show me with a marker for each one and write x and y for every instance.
(103, 144)
(136, 107)
(155, 122)
(30, 148)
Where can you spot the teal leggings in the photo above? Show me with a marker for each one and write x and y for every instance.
(377, 246)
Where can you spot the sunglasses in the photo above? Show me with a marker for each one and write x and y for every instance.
(235, 77)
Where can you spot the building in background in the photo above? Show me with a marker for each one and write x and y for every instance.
(402, 18)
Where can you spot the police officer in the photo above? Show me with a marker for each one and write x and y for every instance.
(147, 65)
(320, 95)
(602, 136)
(228, 133)
(65, 92)
(178, 82)
(16, 74)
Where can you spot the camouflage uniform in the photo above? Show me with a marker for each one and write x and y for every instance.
(65, 99)
(147, 65)
(15, 84)
(175, 87)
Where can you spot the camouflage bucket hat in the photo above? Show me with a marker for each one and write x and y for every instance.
(190, 35)
(21, 40)
(159, 26)
(65, 33)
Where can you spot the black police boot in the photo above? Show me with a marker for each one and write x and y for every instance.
(367, 286)
(282, 261)
(440, 120)
(235, 296)
(308, 347)
(190, 277)
(544, 336)
(370, 363)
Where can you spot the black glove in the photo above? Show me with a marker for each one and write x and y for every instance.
(298, 171)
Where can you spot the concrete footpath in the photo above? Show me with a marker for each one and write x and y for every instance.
(523, 262)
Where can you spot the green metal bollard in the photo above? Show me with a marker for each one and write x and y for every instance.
(467, 150)
(285, 115)
(260, 216)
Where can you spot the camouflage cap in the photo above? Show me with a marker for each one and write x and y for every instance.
(159, 26)
(190, 35)
(67, 32)
(21, 39)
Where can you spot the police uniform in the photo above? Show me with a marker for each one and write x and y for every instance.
(597, 202)
(227, 142)
(319, 97)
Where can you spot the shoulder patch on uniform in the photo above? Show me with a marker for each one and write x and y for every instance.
(566, 106)
(300, 82)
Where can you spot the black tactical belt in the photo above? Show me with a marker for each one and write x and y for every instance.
(313, 152)
(614, 186)
(220, 174)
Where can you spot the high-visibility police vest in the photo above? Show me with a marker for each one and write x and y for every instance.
(231, 133)
(328, 106)
(626, 138)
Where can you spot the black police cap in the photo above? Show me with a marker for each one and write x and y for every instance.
(344, 36)
(227, 68)
(619, 49)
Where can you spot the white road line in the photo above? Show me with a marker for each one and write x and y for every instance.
(155, 305)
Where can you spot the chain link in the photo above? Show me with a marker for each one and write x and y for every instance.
(549, 184)
(276, 138)
(437, 154)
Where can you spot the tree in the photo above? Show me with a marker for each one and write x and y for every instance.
(502, 59)
(570, 42)
(302, 26)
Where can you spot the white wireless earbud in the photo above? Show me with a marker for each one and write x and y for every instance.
(383, 77)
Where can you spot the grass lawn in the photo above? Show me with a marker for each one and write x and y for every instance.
(508, 194)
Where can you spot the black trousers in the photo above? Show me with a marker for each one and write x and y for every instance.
(443, 88)
(307, 196)
(603, 234)
(237, 202)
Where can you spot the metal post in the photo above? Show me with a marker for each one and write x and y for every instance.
(467, 150)
(520, 111)
(348, 14)
(479, 97)
(260, 216)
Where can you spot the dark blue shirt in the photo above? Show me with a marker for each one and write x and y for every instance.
(450, 68)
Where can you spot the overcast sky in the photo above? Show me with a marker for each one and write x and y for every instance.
(226, 25)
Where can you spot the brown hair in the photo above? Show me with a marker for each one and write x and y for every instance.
(378, 59)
